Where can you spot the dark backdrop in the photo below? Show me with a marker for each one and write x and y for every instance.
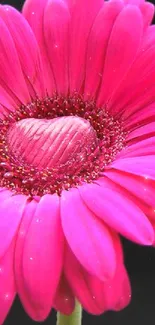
(140, 263)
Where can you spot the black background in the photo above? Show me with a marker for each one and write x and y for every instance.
(140, 263)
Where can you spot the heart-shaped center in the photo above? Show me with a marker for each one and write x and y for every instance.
(44, 143)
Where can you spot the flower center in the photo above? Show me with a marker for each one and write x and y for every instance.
(60, 142)
(56, 143)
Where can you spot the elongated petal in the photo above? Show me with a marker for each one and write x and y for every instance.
(130, 96)
(64, 300)
(57, 20)
(87, 236)
(11, 211)
(139, 186)
(145, 97)
(43, 253)
(98, 296)
(27, 48)
(147, 10)
(113, 207)
(140, 166)
(33, 11)
(140, 148)
(98, 40)
(4, 194)
(116, 293)
(140, 118)
(134, 2)
(148, 39)
(83, 15)
(141, 132)
(7, 102)
(119, 57)
(7, 282)
(91, 297)
(20, 283)
(10, 69)
(70, 4)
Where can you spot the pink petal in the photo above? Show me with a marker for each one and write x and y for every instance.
(11, 75)
(2, 189)
(26, 47)
(118, 211)
(57, 20)
(140, 148)
(42, 255)
(140, 118)
(20, 283)
(83, 16)
(141, 190)
(34, 11)
(11, 211)
(147, 10)
(69, 3)
(7, 283)
(89, 239)
(141, 132)
(117, 291)
(153, 225)
(131, 96)
(139, 186)
(98, 40)
(7, 103)
(148, 38)
(89, 293)
(145, 96)
(122, 49)
(134, 2)
(140, 166)
(97, 296)
(64, 301)
(4, 194)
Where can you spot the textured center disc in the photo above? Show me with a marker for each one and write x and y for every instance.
(51, 143)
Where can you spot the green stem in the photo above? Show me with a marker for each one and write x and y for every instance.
(74, 319)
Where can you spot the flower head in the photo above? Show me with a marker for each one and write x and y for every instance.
(77, 151)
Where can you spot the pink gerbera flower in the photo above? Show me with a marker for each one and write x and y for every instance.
(77, 151)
